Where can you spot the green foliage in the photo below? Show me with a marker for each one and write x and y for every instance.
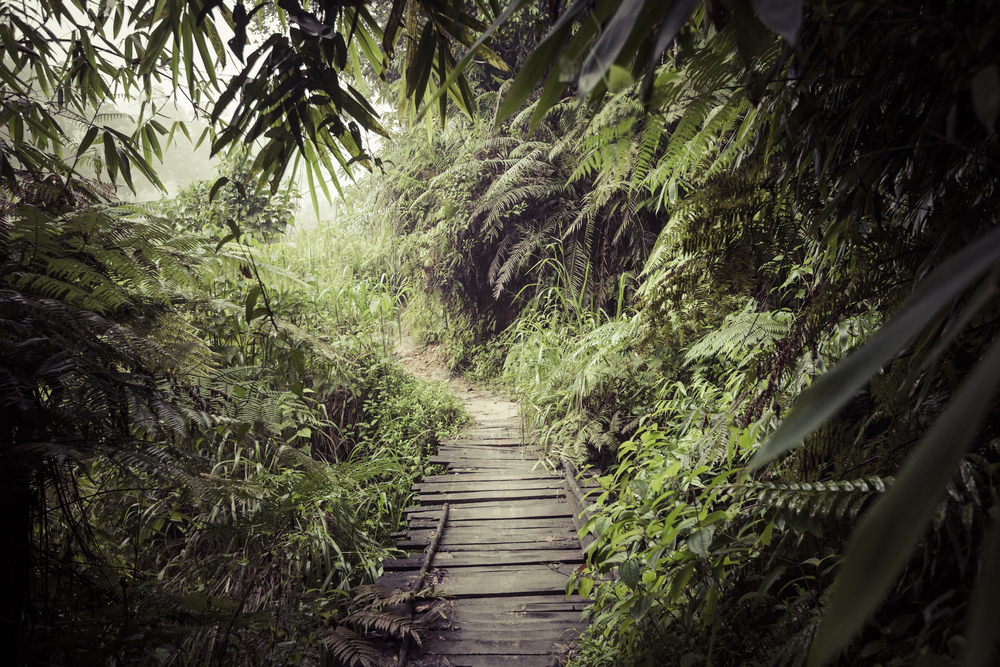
(208, 207)
(248, 459)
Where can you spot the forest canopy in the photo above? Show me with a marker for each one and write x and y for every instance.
(740, 255)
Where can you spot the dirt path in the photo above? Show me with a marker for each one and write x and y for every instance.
(483, 403)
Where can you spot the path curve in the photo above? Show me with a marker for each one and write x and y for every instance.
(498, 569)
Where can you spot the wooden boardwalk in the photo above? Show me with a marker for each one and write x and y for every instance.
(508, 544)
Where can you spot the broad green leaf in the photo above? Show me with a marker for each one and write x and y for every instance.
(701, 540)
(883, 541)
(419, 72)
(986, 95)
(456, 71)
(613, 38)
(88, 139)
(680, 579)
(629, 571)
(538, 61)
(586, 586)
(782, 16)
(110, 155)
(831, 391)
(984, 618)
(251, 306)
(215, 188)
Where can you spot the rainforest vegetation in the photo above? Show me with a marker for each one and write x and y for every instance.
(740, 256)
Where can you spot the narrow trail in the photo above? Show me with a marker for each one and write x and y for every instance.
(492, 540)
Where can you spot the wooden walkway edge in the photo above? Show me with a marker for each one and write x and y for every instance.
(502, 560)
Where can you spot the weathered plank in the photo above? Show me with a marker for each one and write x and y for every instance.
(488, 581)
(463, 613)
(477, 647)
(491, 543)
(512, 454)
(522, 510)
(559, 523)
(481, 660)
(528, 631)
(491, 485)
(488, 450)
(427, 499)
(476, 558)
(501, 434)
(455, 537)
(491, 476)
(515, 441)
(512, 465)
(528, 602)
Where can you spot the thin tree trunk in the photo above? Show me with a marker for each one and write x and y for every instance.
(15, 554)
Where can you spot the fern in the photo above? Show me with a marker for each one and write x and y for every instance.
(741, 336)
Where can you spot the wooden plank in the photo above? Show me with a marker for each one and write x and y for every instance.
(478, 496)
(481, 466)
(527, 631)
(503, 528)
(486, 448)
(478, 558)
(488, 581)
(445, 487)
(491, 544)
(466, 660)
(527, 602)
(505, 558)
(479, 647)
(492, 476)
(518, 454)
(491, 442)
(483, 462)
(504, 435)
(522, 510)
(453, 538)
(558, 524)
(453, 456)
(462, 614)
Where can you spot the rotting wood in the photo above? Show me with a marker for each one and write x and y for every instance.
(522, 510)
(431, 550)
(504, 556)
(492, 476)
(483, 485)
(460, 559)
(560, 524)
(479, 496)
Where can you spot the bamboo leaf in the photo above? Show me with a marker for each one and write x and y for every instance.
(613, 38)
(782, 16)
(831, 391)
(678, 14)
(984, 618)
(881, 545)
(252, 295)
(215, 187)
(986, 95)
(419, 72)
(88, 139)
(538, 61)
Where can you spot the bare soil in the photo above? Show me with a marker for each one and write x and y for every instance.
(485, 404)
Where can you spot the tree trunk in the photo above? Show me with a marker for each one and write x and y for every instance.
(15, 553)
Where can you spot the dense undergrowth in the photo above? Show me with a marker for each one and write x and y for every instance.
(751, 279)
(208, 431)
(659, 289)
